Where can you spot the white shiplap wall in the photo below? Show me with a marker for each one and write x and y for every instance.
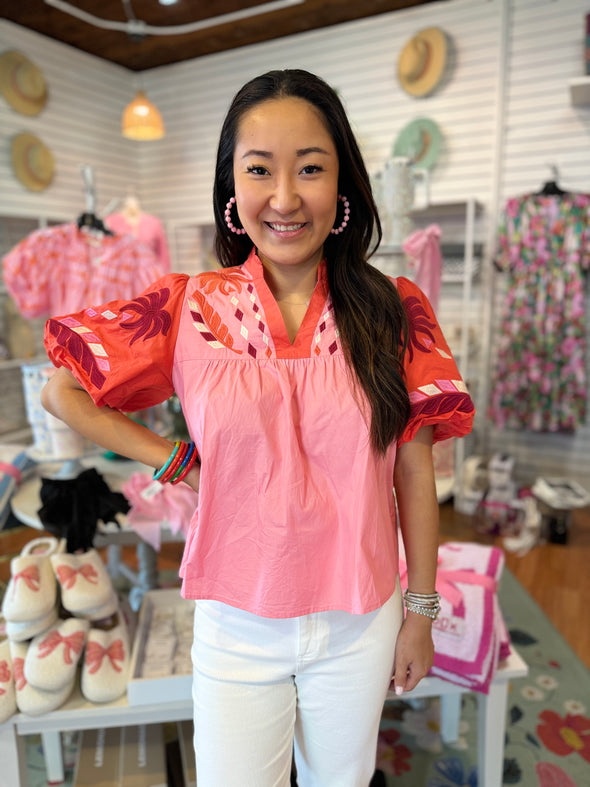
(494, 145)
(80, 124)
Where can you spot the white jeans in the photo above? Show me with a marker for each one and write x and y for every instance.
(264, 687)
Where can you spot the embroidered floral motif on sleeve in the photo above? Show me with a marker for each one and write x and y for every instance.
(420, 327)
(152, 319)
(68, 334)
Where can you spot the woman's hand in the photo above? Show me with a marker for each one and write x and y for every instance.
(414, 652)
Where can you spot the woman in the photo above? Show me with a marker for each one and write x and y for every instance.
(311, 384)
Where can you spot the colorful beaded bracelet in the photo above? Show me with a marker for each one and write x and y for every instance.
(183, 470)
(159, 473)
(180, 461)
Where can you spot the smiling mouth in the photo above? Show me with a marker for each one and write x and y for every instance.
(284, 227)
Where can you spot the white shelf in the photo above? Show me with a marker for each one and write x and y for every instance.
(437, 210)
(580, 91)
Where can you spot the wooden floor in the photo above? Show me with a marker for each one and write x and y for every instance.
(556, 575)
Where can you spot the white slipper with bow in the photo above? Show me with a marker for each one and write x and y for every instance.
(104, 610)
(29, 699)
(7, 690)
(20, 632)
(106, 663)
(32, 590)
(52, 657)
(84, 581)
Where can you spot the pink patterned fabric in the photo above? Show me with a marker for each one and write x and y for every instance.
(62, 269)
(173, 505)
(470, 635)
(149, 230)
(296, 511)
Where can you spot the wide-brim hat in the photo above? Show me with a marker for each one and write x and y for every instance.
(420, 141)
(22, 83)
(422, 61)
(32, 161)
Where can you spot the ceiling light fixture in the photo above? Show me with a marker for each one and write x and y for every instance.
(139, 28)
(142, 119)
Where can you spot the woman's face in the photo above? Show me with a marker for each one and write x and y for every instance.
(286, 181)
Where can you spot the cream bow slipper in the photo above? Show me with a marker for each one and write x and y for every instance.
(104, 610)
(32, 590)
(106, 663)
(29, 699)
(19, 632)
(7, 690)
(52, 657)
(84, 582)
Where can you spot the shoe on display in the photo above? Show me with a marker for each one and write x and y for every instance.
(106, 662)
(86, 588)
(52, 657)
(32, 590)
(7, 690)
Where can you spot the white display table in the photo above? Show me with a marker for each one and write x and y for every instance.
(76, 714)
(79, 714)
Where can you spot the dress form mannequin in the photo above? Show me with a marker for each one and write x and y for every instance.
(132, 210)
(148, 229)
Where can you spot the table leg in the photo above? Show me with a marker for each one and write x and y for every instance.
(12, 756)
(52, 752)
(147, 576)
(450, 715)
(113, 560)
(491, 713)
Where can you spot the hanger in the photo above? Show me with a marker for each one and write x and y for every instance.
(89, 219)
(551, 188)
(92, 222)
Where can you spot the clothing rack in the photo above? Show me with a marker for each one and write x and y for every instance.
(89, 219)
(89, 188)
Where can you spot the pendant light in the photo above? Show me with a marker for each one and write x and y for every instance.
(142, 119)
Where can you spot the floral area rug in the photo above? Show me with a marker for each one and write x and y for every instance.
(547, 724)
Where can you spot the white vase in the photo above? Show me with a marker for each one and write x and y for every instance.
(399, 184)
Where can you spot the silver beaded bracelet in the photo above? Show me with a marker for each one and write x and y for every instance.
(429, 613)
(427, 604)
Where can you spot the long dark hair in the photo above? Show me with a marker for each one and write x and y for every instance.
(367, 308)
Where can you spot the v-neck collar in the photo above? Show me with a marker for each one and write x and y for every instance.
(301, 345)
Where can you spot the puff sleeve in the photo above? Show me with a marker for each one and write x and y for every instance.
(438, 395)
(122, 352)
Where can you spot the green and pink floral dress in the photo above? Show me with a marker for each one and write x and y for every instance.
(540, 379)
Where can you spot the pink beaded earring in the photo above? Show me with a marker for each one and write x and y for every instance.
(228, 221)
(345, 202)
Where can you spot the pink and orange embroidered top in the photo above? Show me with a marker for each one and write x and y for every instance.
(296, 511)
(63, 268)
